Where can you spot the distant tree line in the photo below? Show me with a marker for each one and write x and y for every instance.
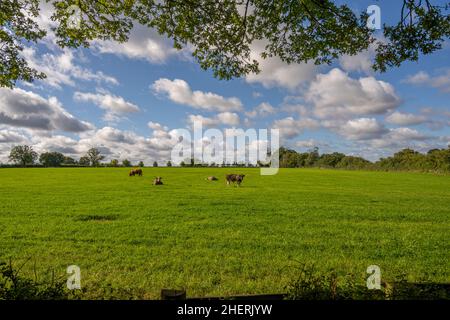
(25, 156)
(435, 160)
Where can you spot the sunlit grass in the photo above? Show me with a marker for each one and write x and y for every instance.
(216, 240)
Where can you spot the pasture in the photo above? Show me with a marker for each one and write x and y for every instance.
(216, 240)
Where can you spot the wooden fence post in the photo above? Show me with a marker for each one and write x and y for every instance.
(170, 294)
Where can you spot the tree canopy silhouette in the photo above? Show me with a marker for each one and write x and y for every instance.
(221, 32)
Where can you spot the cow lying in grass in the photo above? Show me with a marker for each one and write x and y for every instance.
(135, 172)
(157, 181)
(212, 178)
(234, 178)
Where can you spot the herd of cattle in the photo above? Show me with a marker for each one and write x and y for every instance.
(230, 178)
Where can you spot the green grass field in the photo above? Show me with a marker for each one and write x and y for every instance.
(216, 240)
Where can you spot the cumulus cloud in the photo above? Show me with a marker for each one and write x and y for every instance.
(57, 143)
(400, 138)
(120, 144)
(276, 73)
(440, 81)
(361, 62)
(361, 129)
(123, 144)
(62, 70)
(290, 127)
(144, 44)
(336, 95)
(10, 136)
(61, 66)
(264, 109)
(228, 118)
(180, 92)
(156, 126)
(256, 94)
(405, 119)
(20, 108)
(300, 109)
(407, 134)
(115, 106)
(311, 143)
(223, 118)
(418, 78)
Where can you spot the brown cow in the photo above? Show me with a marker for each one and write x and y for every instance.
(235, 178)
(157, 181)
(134, 172)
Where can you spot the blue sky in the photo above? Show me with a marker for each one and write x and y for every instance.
(129, 99)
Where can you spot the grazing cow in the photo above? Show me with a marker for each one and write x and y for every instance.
(212, 178)
(235, 178)
(157, 181)
(135, 172)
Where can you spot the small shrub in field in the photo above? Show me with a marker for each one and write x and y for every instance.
(312, 285)
(13, 286)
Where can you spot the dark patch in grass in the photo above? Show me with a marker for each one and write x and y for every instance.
(219, 203)
(98, 217)
(181, 204)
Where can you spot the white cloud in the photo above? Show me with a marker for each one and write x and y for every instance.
(60, 69)
(20, 108)
(407, 134)
(361, 129)
(224, 118)
(10, 136)
(401, 138)
(419, 78)
(296, 108)
(115, 106)
(180, 92)
(308, 143)
(405, 119)
(440, 81)
(361, 62)
(157, 126)
(336, 95)
(57, 143)
(143, 44)
(256, 94)
(276, 73)
(159, 131)
(120, 144)
(228, 118)
(290, 128)
(264, 109)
